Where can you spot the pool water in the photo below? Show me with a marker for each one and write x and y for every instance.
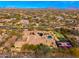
(49, 37)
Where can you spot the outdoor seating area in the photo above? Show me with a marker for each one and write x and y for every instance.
(65, 44)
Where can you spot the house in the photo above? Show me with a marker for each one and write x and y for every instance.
(59, 18)
(5, 20)
(35, 38)
(2, 20)
(70, 21)
(24, 21)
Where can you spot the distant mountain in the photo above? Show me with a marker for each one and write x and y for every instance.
(73, 7)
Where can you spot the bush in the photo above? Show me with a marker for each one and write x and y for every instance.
(39, 50)
(28, 47)
(75, 52)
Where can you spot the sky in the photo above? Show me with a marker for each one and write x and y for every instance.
(39, 4)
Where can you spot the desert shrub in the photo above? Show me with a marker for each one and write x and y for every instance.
(39, 50)
(74, 52)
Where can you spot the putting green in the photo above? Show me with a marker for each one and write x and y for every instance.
(59, 35)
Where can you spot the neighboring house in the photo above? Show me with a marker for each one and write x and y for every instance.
(59, 18)
(25, 22)
(2, 20)
(70, 21)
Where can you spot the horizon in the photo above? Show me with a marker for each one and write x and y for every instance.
(40, 4)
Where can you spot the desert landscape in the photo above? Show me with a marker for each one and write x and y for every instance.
(31, 33)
